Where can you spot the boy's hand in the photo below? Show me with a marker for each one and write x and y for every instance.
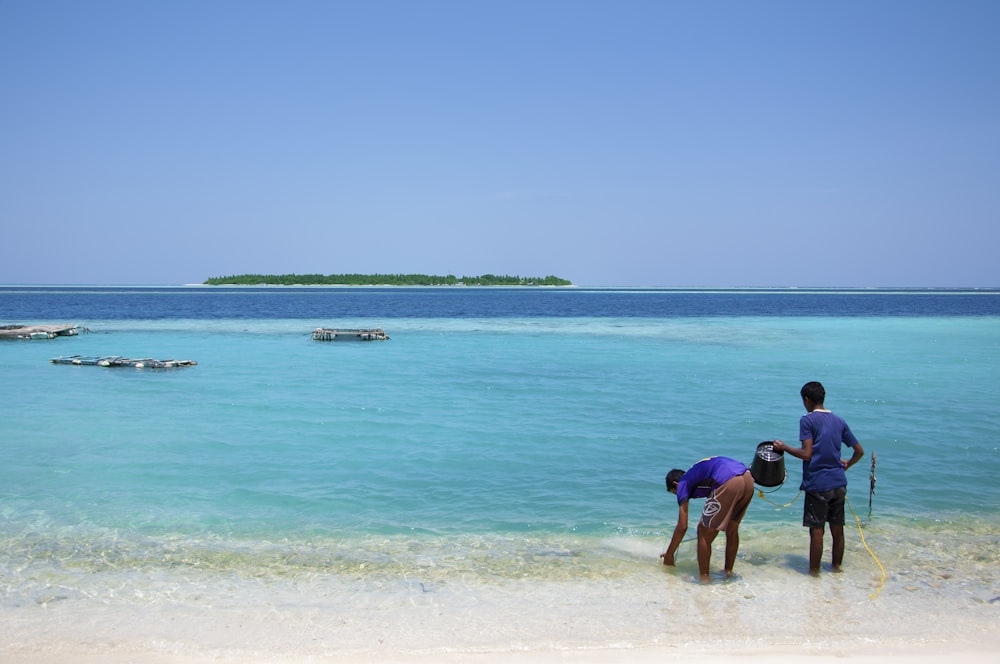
(778, 446)
(668, 558)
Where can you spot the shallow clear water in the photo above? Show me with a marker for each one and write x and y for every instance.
(475, 450)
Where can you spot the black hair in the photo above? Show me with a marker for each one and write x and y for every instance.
(814, 391)
(673, 477)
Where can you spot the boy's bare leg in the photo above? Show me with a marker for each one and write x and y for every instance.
(705, 538)
(815, 549)
(838, 545)
(732, 546)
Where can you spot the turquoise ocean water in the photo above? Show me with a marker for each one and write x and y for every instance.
(484, 457)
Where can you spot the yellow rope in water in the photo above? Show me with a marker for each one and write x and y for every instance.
(870, 552)
(760, 492)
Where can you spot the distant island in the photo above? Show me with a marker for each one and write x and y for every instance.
(382, 280)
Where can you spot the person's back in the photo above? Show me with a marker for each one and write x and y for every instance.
(703, 477)
(824, 470)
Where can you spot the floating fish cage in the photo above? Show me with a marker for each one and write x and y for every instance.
(36, 332)
(333, 334)
(118, 361)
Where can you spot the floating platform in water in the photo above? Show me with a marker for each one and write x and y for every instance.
(118, 361)
(34, 332)
(333, 334)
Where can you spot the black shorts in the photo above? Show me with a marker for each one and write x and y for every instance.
(824, 507)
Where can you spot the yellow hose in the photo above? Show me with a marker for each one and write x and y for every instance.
(860, 531)
(870, 552)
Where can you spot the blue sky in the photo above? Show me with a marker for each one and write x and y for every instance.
(625, 143)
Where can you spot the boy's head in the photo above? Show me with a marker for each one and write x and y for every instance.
(813, 391)
(673, 477)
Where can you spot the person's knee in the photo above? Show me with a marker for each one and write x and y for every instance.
(706, 533)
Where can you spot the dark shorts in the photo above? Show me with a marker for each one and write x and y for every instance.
(824, 507)
(728, 503)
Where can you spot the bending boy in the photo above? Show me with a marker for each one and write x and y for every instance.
(727, 487)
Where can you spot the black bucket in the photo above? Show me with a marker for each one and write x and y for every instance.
(768, 468)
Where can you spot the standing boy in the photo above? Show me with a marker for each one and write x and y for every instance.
(823, 472)
(727, 487)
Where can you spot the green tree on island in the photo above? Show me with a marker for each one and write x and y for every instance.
(383, 280)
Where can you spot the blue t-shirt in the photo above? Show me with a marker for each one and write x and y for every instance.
(705, 476)
(824, 471)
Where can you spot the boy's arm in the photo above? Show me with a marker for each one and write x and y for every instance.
(679, 530)
(805, 452)
(859, 453)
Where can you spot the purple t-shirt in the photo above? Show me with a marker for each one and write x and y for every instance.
(828, 431)
(705, 476)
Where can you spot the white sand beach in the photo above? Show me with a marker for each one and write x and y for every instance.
(700, 654)
(655, 616)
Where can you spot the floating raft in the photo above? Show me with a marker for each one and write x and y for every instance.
(118, 361)
(331, 334)
(33, 332)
